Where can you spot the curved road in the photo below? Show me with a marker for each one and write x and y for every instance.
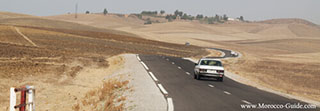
(227, 53)
(188, 94)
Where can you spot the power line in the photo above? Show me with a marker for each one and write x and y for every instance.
(76, 11)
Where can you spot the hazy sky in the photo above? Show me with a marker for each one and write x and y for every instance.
(250, 9)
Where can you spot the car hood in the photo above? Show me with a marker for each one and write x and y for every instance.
(212, 67)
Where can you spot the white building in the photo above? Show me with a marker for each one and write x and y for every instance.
(233, 19)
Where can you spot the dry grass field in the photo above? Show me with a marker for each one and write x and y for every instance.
(6, 15)
(281, 54)
(71, 61)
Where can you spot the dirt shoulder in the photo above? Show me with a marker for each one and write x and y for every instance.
(61, 92)
(145, 95)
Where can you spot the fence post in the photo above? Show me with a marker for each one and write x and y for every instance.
(13, 99)
(24, 91)
(31, 96)
(23, 99)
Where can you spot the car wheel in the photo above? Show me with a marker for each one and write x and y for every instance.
(196, 76)
(220, 79)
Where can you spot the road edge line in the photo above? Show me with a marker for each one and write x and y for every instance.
(138, 58)
(144, 65)
(170, 104)
(153, 77)
(164, 91)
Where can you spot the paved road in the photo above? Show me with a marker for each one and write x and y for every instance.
(227, 53)
(188, 94)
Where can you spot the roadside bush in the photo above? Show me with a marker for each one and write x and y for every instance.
(105, 11)
(162, 12)
(148, 21)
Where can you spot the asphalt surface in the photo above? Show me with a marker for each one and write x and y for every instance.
(188, 94)
(227, 53)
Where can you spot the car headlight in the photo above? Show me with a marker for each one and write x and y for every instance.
(202, 70)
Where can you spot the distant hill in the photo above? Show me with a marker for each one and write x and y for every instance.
(6, 15)
(34, 21)
(300, 27)
(109, 21)
(78, 39)
(288, 21)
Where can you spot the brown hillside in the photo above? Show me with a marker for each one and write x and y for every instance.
(5, 15)
(65, 60)
(110, 21)
(303, 30)
(47, 23)
(288, 21)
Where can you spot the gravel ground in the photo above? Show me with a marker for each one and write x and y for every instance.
(145, 96)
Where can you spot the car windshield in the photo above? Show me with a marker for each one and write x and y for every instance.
(211, 63)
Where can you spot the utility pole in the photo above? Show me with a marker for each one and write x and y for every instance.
(76, 13)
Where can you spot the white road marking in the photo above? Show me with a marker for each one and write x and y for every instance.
(179, 67)
(145, 66)
(172, 62)
(162, 89)
(153, 77)
(170, 104)
(167, 59)
(226, 92)
(247, 102)
(169, 100)
(188, 73)
(138, 58)
(210, 85)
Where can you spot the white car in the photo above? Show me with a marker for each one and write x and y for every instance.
(209, 67)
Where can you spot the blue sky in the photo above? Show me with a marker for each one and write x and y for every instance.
(250, 9)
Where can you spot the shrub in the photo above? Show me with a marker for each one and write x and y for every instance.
(149, 13)
(162, 12)
(105, 11)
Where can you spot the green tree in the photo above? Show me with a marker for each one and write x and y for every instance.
(149, 12)
(199, 16)
(241, 18)
(105, 11)
(217, 18)
(138, 15)
(225, 17)
(162, 12)
(177, 12)
(87, 12)
(191, 17)
(169, 18)
(148, 21)
(211, 20)
(185, 16)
